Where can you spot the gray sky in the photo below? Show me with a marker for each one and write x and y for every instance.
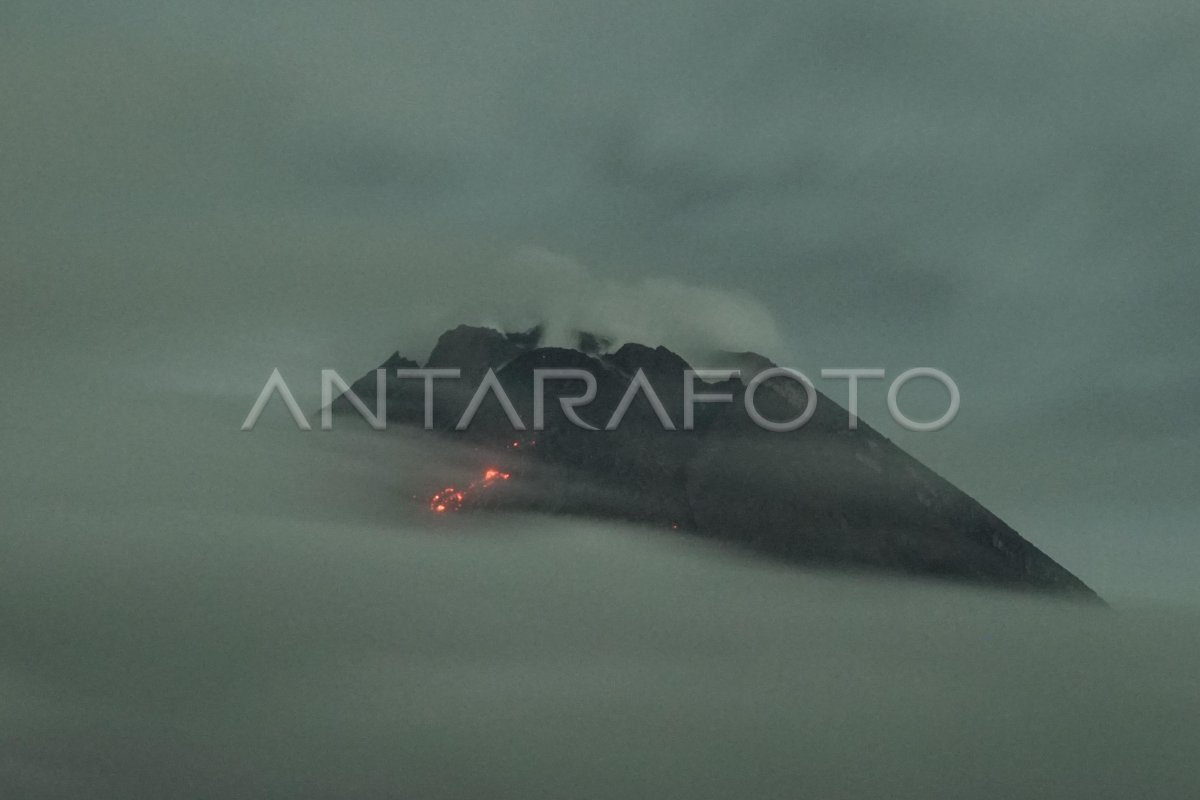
(194, 193)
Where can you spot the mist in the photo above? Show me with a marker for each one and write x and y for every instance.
(195, 194)
(191, 610)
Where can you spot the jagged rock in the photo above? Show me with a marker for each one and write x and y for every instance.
(405, 399)
(476, 350)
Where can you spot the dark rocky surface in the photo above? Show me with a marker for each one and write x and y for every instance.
(821, 495)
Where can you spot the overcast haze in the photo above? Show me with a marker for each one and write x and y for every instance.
(192, 194)
(1007, 191)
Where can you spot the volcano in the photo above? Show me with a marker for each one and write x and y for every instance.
(823, 495)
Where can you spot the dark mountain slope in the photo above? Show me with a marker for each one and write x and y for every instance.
(822, 494)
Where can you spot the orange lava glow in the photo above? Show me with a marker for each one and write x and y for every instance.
(452, 499)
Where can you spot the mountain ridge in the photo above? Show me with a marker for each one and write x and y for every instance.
(822, 495)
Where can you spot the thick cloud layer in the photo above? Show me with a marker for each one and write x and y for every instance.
(194, 611)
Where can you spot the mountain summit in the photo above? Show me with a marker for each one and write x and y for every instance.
(823, 494)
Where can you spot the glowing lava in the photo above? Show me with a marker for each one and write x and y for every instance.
(452, 499)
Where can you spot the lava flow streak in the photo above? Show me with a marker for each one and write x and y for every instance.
(452, 499)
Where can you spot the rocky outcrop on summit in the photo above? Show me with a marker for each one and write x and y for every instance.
(820, 495)
(476, 350)
(405, 400)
